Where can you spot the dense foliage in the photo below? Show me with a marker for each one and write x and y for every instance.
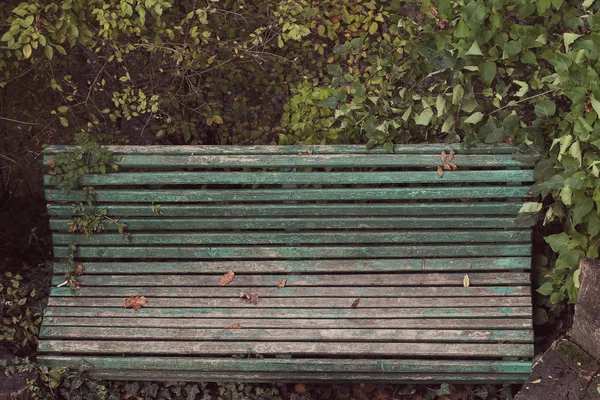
(336, 71)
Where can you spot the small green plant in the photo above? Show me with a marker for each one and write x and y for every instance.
(156, 209)
(19, 325)
(73, 269)
(41, 380)
(88, 158)
(94, 223)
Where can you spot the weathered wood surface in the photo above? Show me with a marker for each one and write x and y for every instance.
(472, 209)
(317, 377)
(297, 238)
(586, 323)
(456, 312)
(321, 335)
(249, 195)
(173, 224)
(300, 365)
(303, 266)
(275, 348)
(300, 178)
(310, 161)
(311, 302)
(270, 252)
(242, 281)
(131, 320)
(423, 148)
(338, 223)
(302, 292)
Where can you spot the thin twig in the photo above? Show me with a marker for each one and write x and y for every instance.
(514, 103)
(19, 122)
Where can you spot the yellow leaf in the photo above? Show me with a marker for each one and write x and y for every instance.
(466, 281)
(217, 119)
(211, 59)
(27, 50)
(282, 283)
(373, 28)
(536, 381)
(209, 121)
(64, 122)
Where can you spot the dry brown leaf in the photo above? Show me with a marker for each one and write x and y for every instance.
(282, 283)
(433, 10)
(300, 388)
(447, 167)
(52, 163)
(136, 302)
(440, 172)
(226, 278)
(443, 156)
(451, 156)
(79, 270)
(466, 281)
(233, 326)
(453, 166)
(253, 298)
(355, 304)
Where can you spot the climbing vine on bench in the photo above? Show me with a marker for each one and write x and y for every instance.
(67, 170)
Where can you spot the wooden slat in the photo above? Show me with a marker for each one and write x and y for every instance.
(313, 266)
(312, 161)
(298, 210)
(266, 348)
(298, 252)
(249, 195)
(310, 378)
(198, 224)
(295, 323)
(313, 302)
(284, 313)
(300, 365)
(421, 148)
(300, 178)
(320, 335)
(314, 377)
(403, 279)
(262, 292)
(296, 238)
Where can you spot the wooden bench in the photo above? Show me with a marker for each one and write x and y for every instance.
(392, 272)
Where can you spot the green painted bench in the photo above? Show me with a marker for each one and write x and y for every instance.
(375, 249)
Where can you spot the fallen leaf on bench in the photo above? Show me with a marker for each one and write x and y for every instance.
(253, 298)
(447, 167)
(443, 156)
(440, 171)
(136, 302)
(466, 281)
(452, 153)
(282, 283)
(226, 278)
(453, 166)
(355, 304)
(233, 326)
(52, 163)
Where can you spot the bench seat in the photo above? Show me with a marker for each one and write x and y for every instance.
(389, 272)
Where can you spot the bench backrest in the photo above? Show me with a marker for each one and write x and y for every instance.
(300, 203)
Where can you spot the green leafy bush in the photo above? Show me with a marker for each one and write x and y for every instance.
(19, 323)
